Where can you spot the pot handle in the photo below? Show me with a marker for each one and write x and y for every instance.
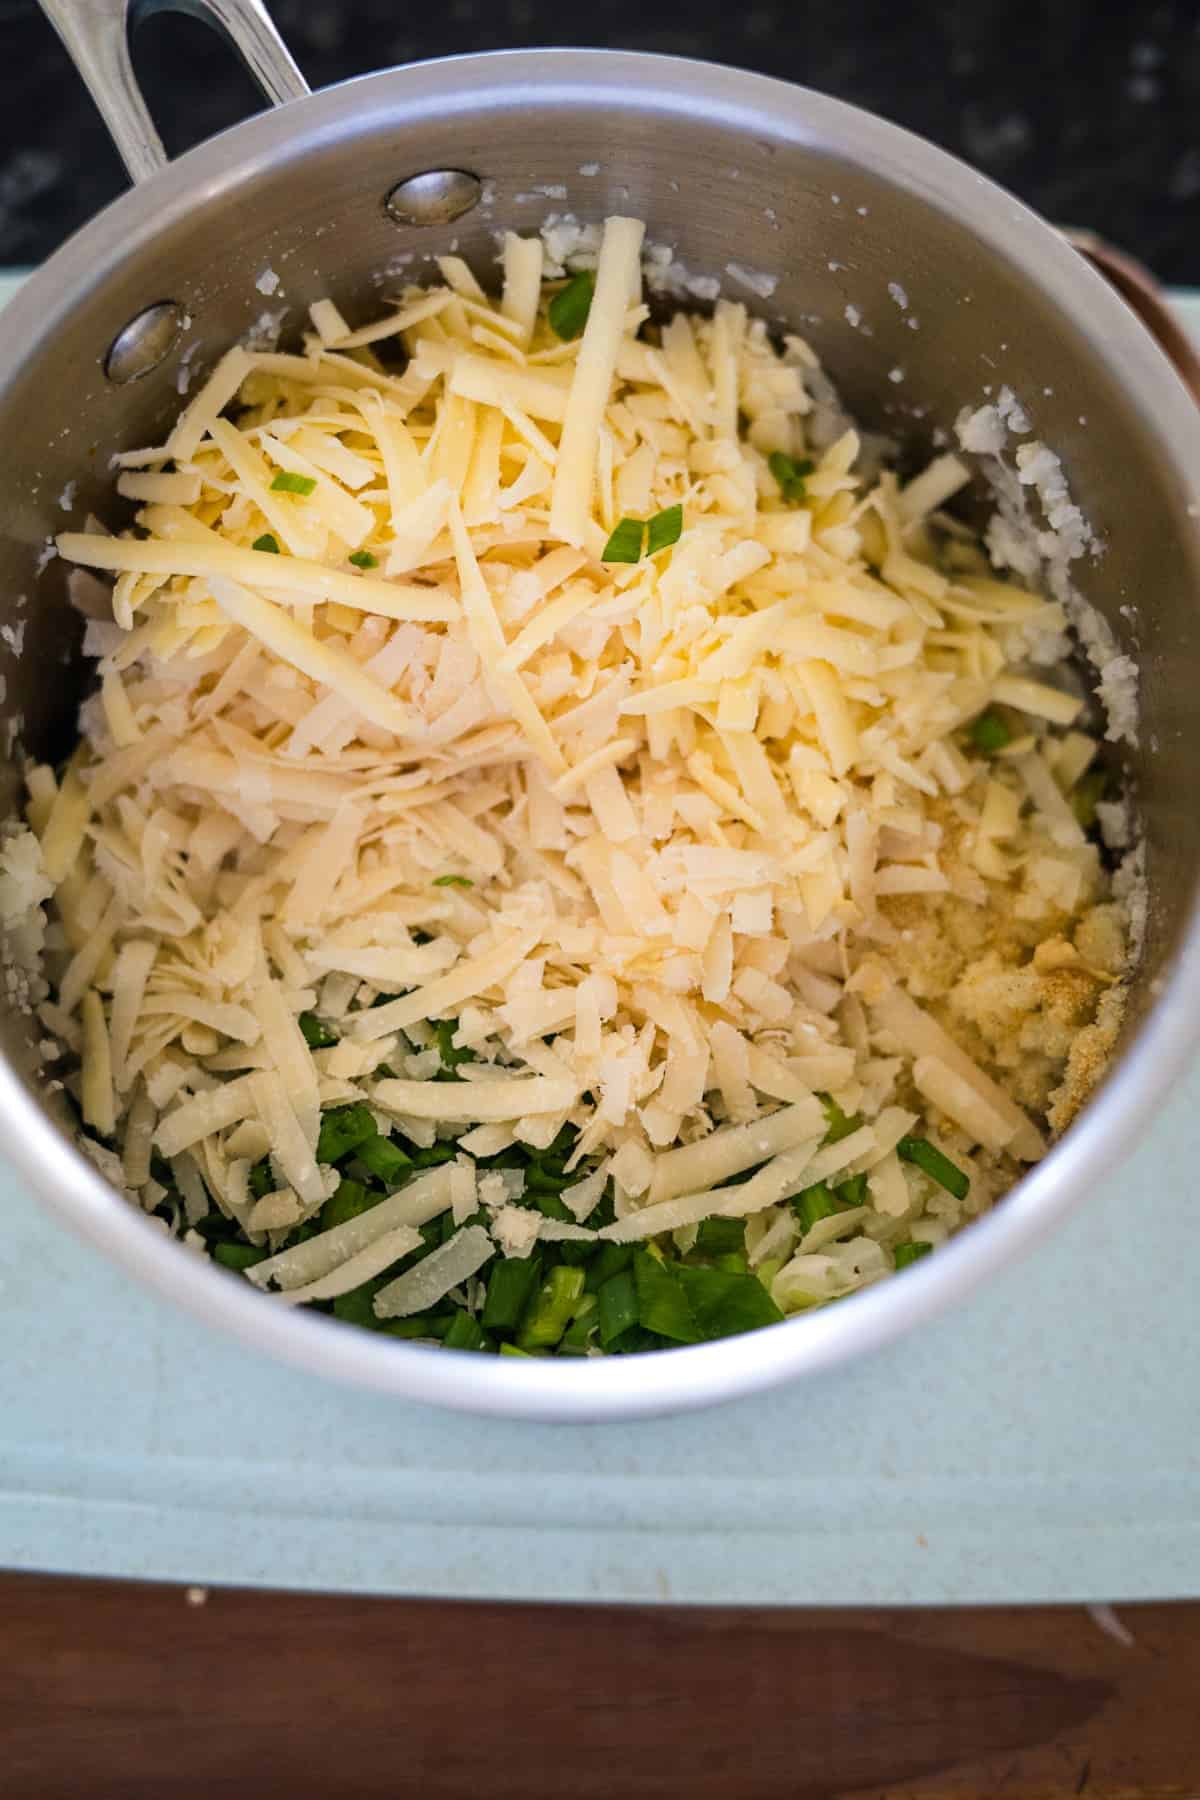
(96, 34)
(1140, 291)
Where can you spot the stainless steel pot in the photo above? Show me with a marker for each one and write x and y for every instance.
(731, 168)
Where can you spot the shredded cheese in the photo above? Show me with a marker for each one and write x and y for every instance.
(669, 852)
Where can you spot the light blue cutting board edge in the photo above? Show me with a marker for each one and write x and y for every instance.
(1039, 1444)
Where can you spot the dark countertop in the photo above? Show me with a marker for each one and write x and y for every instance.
(1091, 113)
(123, 1690)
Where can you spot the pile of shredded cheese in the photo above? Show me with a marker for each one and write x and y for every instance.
(684, 846)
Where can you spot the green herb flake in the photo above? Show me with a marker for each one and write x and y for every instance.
(569, 309)
(1089, 789)
(261, 1179)
(724, 1304)
(662, 1303)
(790, 474)
(465, 1333)
(383, 1159)
(316, 1035)
(816, 1202)
(350, 1199)
(852, 1192)
(268, 542)
(625, 544)
(551, 1309)
(450, 1053)
(511, 1284)
(840, 1124)
(460, 881)
(664, 530)
(911, 1253)
(720, 1237)
(617, 1306)
(343, 1129)
(362, 559)
(237, 1256)
(287, 483)
(989, 733)
(927, 1157)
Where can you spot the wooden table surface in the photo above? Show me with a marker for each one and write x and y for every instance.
(119, 1691)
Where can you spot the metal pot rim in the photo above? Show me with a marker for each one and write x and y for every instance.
(764, 110)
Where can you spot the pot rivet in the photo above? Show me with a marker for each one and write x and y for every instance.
(141, 346)
(433, 198)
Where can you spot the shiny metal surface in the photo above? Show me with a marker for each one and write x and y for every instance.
(726, 167)
(140, 346)
(96, 33)
(435, 197)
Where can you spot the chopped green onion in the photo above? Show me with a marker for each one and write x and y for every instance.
(1087, 791)
(213, 1228)
(420, 1325)
(267, 541)
(720, 1237)
(610, 1260)
(767, 1270)
(362, 559)
(510, 1286)
(261, 1179)
(349, 1199)
(664, 530)
(316, 1035)
(465, 1333)
(852, 1192)
(355, 1308)
(989, 732)
(443, 1033)
(237, 1256)
(814, 1203)
(635, 1341)
(550, 1206)
(579, 1333)
(662, 1304)
(435, 1154)
(938, 1167)
(551, 1309)
(724, 1304)
(568, 311)
(840, 1124)
(343, 1129)
(462, 881)
(790, 474)
(617, 1305)
(731, 1262)
(384, 1160)
(287, 483)
(625, 544)
(911, 1253)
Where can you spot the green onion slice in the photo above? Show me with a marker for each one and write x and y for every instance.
(937, 1166)
(266, 542)
(316, 1035)
(664, 529)
(789, 473)
(625, 544)
(287, 483)
(911, 1253)
(990, 733)
(568, 311)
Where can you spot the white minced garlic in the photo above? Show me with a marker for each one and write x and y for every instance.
(692, 849)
